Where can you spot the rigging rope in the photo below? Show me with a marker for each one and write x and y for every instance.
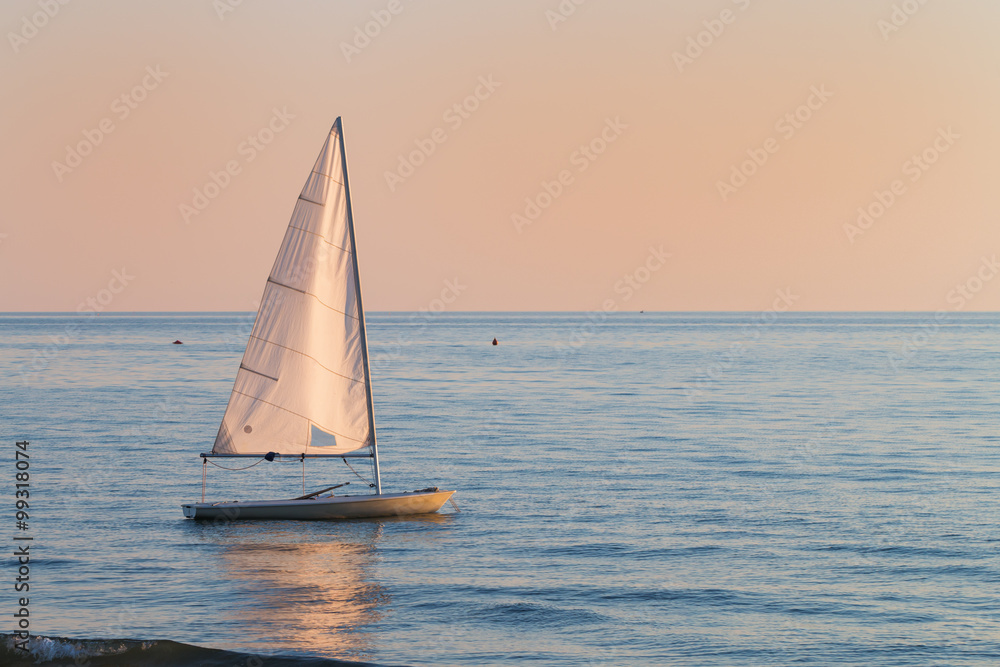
(208, 460)
(356, 473)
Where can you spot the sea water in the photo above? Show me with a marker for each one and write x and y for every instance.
(635, 488)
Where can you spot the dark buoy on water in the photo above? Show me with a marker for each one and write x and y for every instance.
(495, 342)
(177, 342)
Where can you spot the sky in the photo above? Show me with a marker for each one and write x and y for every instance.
(573, 155)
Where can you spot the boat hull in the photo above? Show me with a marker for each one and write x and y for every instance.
(322, 509)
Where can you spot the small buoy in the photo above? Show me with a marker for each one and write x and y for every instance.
(177, 342)
(495, 342)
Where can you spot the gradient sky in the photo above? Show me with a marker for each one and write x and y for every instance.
(678, 129)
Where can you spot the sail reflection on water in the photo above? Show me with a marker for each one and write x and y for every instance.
(307, 590)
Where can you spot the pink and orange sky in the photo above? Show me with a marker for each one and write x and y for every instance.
(740, 137)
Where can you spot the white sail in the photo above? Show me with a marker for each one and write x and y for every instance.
(305, 365)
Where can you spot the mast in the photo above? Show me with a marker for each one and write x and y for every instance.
(361, 308)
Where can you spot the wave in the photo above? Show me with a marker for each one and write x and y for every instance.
(59, 651)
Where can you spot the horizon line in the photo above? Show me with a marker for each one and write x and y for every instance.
(471, 312)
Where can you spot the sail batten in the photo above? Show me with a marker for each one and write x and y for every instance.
(302, 291)
(305, 365)
(275, 282)
(250, 370)
(270, 342)
(306, 231)
(328, 176)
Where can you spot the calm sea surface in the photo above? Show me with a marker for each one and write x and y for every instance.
(668, 489)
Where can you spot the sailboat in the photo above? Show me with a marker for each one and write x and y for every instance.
(303, 389)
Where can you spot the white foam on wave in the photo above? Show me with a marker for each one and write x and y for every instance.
(44, 649)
